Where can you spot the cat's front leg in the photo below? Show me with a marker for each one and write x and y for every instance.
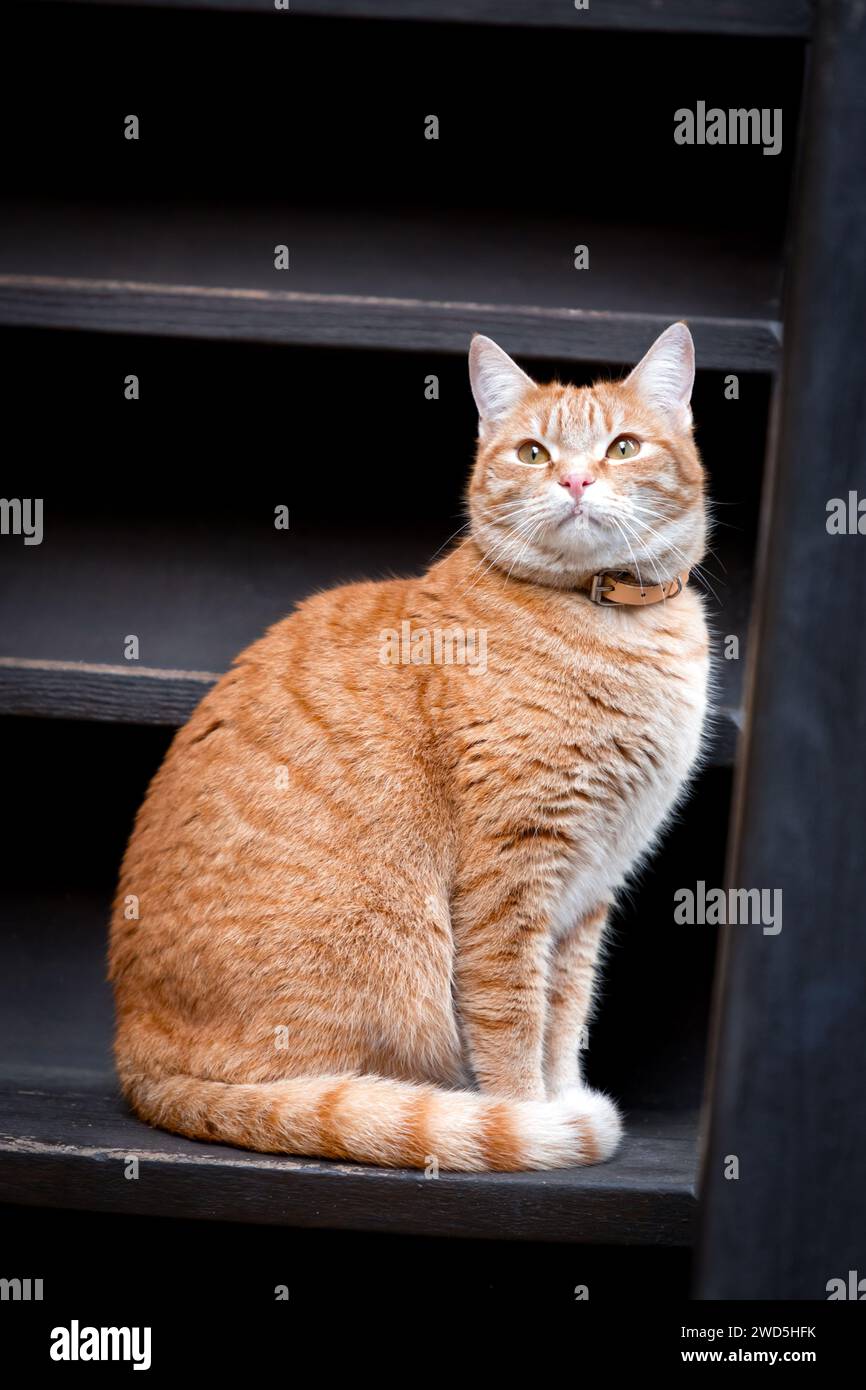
(500, 979)
(570, 981)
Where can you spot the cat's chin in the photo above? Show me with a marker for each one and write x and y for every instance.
(571, 557)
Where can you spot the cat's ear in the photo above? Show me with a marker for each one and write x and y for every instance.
(666, 375)
(497, 382)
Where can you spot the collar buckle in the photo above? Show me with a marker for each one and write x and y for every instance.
(599, 589)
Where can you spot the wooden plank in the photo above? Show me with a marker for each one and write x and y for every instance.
(337, 321)
(64, 1130)
(788, 1095)
(113, 694)
(422, 281)
(64, 1139)
(790, 18)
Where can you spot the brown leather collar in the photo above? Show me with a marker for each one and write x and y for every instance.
(617, 587)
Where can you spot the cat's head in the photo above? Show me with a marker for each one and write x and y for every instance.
(572, 480)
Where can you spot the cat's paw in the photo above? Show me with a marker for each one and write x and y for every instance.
(602, 1113)
(580, 1126)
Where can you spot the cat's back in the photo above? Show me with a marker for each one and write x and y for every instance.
(314, 659)
(301, 737)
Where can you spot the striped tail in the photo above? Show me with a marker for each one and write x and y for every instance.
(372, 1119)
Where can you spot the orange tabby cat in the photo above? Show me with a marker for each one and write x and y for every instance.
(374, 870)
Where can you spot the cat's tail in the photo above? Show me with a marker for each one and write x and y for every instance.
(372, 1119)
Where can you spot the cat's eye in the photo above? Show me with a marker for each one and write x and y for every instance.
(624, 447)
(531, 452)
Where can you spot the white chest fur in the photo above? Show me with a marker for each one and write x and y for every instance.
(654, 749)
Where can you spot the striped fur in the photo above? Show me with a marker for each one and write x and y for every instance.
(371, 897)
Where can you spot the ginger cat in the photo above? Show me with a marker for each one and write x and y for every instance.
(373, 891)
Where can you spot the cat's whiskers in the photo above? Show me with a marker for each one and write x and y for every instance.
(467, 526)
(531, 538)
(454, 534)
(489, 559)
(650, 558)
(628, 543)
(694, 568)
(527, 529)
(502, 515)
(667, 516)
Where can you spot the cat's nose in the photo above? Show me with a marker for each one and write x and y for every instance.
(576, 482)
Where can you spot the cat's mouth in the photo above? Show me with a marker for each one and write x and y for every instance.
(579, 516)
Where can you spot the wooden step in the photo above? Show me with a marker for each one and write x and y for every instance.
(66, 1137)
(790, 18)
(417, 280)
(65, 1133)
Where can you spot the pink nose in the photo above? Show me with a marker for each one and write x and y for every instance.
(576, 482)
